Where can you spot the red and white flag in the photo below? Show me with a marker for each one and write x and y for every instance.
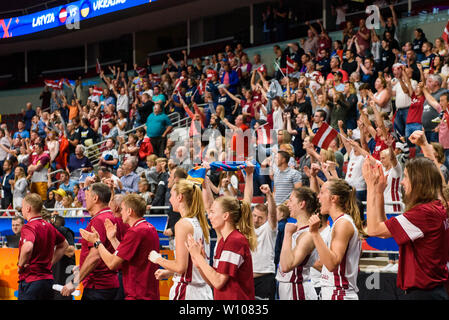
(445, 35)
(155, 77)
(324, 136)
(202, 87)
(262, 68)
(290, 65)
(97, 91)
(98, 67)
(141, 71)
(178, 83)
(54, 84)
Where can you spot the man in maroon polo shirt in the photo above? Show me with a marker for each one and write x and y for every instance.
(99, 282)
(40, 246)
(132, 252)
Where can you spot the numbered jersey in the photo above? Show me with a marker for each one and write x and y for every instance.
(190, 285)
(296, 284)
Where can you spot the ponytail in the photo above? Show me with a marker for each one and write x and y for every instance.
(241, 217)
(354, 211)
(245, 224)
(347, 201)
(194, 201)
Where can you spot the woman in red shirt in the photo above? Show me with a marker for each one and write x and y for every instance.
(421, 231)
(231, 275)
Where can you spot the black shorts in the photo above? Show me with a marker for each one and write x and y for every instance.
(265, 287)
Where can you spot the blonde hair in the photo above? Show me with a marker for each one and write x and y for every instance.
(136, 203)
(241, 217)
(22, 173)
(193, 199)
(328, 155)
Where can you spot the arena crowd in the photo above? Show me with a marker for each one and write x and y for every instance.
(342, 126)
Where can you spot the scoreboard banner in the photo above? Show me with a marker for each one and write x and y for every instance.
(65, 15)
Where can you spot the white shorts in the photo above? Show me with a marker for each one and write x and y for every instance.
(332, 293)
(297, 291)
(184, 291)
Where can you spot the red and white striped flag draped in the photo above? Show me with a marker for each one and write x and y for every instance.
(96, 91)
(202, 87)
(290, 65)
(178, 83)
(155, 77)
(141, 71)
(324, 136)
(54, 84)
(445, 35)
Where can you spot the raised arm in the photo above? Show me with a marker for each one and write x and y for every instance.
(272, 219)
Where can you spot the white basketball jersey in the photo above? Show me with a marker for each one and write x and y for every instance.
(192, 277)
(344, 278)
(296, 284)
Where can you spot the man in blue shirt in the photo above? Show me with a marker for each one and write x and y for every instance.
(130, 179)
(158, 126)
(28, 116)
(21, 132)
(67, 184)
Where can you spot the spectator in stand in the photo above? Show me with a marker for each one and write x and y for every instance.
(7, 179)
(19, 187)
(130, 179)
(434, 88)
(418, 41)
(362, 38)
(65, 183)
(428, 55)
(38, 172)
(281, 20)
(78, 161)
(158, 125)
(21, 132)
(311, 43)
(28, 116)
(230, 78)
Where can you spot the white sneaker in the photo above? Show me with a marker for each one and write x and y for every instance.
(436, 120)
(386, 268)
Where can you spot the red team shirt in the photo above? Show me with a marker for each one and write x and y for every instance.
(44, 238)
(233, 257)
(101, 277)
(422, 236)
(139, 281)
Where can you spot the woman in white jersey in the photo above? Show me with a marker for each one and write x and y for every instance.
(340, 252)
(188, 284)
(298, 252)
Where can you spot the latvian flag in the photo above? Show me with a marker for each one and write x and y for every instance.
(141, 71)
(96, 91)
(290, 65)
(155, 77)
(262, 68)
(445, 35)
(202, 87)
(324, 136)
(54, 84)
(210, 74)
(178, 83)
